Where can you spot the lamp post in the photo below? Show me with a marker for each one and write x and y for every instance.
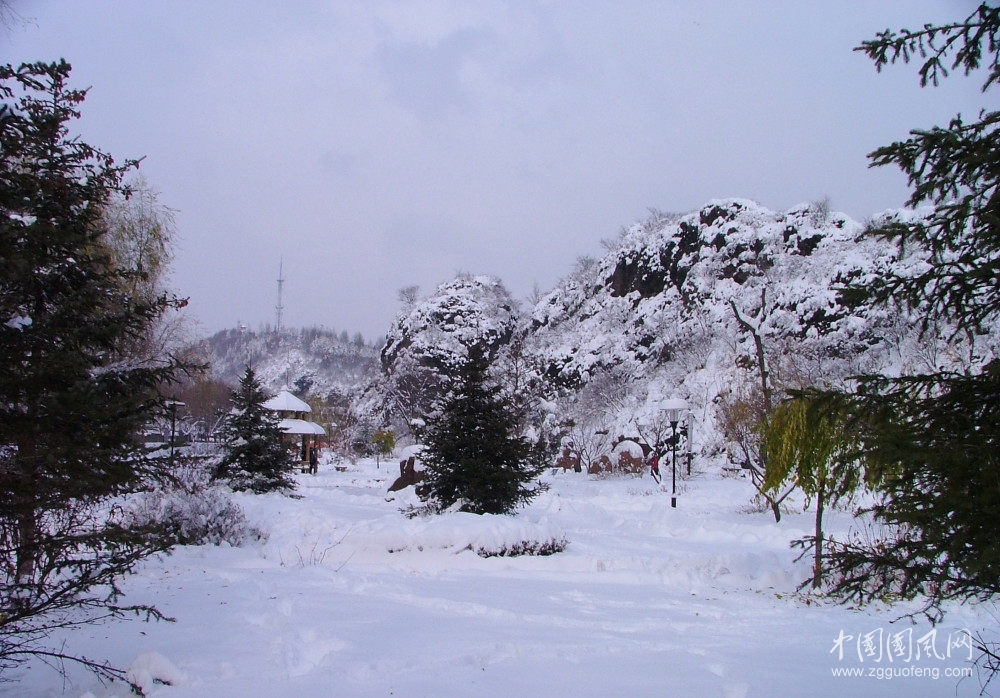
(689, 439)
(173, 405)
(674, 408)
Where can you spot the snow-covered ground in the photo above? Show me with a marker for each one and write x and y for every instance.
(348, 598)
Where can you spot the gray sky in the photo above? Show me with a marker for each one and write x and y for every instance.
(379, 144)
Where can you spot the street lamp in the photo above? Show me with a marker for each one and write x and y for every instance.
(689, 439)
(173, 405)
(674, 409)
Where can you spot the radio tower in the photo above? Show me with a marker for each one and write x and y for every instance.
(278, 308)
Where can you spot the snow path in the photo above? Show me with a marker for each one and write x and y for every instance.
(645, 601)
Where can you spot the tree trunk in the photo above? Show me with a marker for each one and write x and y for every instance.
(818, 562)
(25, 518)
(765, 376)
(27, 541)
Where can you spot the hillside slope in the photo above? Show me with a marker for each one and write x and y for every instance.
(311, 361)
(674, 306)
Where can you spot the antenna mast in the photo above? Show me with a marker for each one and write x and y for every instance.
(281, 281)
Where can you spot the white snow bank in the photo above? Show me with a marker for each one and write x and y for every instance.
(630, 447)
(413, 450)
(152, 668)
(349, 597)
(457, 532)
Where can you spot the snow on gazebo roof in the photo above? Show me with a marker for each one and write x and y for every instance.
(300, 426)
(286, 402)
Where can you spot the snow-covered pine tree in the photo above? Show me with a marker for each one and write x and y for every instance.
(934, 437)
(255, 458)
(74, 396)
(473, 456)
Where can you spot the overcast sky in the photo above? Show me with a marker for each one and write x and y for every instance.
(374, 144)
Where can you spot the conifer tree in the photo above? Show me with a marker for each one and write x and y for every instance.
(933, 439)
(74, 397)
(474, 457)
(255, 458)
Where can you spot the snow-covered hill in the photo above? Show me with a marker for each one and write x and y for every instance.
(311, 361)
(430, 339)
(673, 308)
(438, 332)
(679, 306)
(667, 288)
(688, 306)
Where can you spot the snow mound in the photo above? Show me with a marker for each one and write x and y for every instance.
(458, 532)
(628, 446)
(151, 668)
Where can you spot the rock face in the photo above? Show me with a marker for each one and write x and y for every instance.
(672, 288)
(438, 332)
(679, 306)
(431, 339)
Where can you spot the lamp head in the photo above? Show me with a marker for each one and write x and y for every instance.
(674, 408)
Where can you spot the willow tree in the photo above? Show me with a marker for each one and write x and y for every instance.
(812, 443)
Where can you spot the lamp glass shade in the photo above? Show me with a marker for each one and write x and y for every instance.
(674, 408)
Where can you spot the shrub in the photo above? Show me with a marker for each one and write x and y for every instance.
(525, 547)
(193, 511)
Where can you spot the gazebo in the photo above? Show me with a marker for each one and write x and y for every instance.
(292, 411)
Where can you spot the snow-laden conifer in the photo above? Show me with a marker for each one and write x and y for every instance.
(474, 459)
(255, 458)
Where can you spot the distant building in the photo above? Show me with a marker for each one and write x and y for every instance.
(293, 411)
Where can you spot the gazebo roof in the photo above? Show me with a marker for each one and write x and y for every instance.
(286, 402)
(300, 426)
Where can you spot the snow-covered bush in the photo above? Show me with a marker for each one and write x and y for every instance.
(487, 535)
(150, 669)
(549, 546)
(194, 511)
